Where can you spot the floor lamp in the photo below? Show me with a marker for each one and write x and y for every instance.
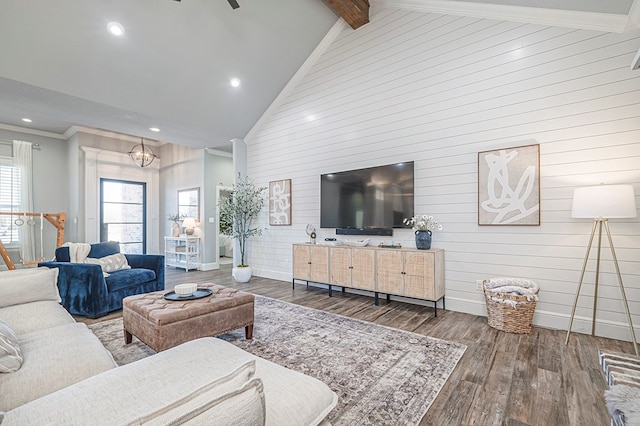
(601, 203)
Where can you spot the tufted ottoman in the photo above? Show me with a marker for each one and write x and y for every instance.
(162, 324)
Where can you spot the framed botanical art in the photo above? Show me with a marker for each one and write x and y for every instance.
(280, 202)
(509, 186)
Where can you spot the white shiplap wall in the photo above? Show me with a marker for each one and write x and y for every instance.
(438, 89)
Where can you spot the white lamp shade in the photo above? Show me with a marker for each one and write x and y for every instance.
(189, 223)
(605, 201)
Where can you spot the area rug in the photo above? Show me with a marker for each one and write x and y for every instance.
(382, 375)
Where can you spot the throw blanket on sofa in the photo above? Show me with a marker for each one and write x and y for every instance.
(78, 252)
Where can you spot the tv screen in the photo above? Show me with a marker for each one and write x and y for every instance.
(376, 197)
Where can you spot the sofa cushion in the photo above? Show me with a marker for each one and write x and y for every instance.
(98, 250)
(144, 390)
(128, 278)
(237, 397)
(54, 358)
(35, 316)
(243, 406)
(111, 263)
(28, 285)
(10, 352)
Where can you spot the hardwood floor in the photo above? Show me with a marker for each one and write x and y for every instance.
(502, 379)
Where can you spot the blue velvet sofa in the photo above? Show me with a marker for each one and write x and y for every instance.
(85, 290)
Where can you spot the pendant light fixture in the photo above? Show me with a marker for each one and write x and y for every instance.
(142, 155)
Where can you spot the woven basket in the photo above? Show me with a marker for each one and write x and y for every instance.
(504, 317)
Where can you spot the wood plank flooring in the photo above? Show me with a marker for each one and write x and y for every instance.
(502, 379)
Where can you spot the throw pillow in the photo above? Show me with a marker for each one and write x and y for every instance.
(28, 285)
(111, 263)
(10, 353)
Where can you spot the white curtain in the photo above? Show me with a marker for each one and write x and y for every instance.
(22, 159)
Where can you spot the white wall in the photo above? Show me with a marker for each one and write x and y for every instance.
(105, 164)
(438, 89)
(181, 168)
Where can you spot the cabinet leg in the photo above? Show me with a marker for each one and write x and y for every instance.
(388, 298)
(443, 303)
(375, 299)
(329, 290)
(435, 308)
(343, 290)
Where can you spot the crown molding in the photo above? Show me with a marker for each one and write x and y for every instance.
(607, 22)
(32, 131)
(109, 134)
(218, 152)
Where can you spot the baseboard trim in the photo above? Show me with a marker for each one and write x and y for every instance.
(209, 266)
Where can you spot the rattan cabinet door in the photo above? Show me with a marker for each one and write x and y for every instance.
(389, 272)
(340, 266)
(301, 261)
(419, 275)
(363, 272)
(319, 270)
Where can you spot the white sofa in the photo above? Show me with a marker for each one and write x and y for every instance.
(67, 377)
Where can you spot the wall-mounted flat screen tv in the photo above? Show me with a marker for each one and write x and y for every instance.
(375, 197)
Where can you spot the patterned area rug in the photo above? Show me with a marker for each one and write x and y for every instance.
(383, 376)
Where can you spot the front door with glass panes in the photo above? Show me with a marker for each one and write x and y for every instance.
(123, 214)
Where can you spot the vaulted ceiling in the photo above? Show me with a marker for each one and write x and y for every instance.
(172, 67)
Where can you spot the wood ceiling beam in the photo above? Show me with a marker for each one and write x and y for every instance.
(354, 12)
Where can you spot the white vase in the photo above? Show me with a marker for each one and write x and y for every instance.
(242, 275)
(175, 229)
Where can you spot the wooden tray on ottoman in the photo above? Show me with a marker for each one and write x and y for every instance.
(162, 324)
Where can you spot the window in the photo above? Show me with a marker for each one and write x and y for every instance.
(10, 180)
(123, 214)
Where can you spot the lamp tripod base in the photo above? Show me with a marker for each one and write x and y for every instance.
(599, 223)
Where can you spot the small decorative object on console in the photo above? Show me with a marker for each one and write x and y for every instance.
(311, 232)
(175, 227)
(424, 225)
(357, 243)
(396, 245)
(189, 225)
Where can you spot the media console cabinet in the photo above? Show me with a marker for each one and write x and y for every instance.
(412, 273)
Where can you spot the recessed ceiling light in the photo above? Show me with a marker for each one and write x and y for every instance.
(235, 82)
(154, 129)
(115, 28)
(27, 120)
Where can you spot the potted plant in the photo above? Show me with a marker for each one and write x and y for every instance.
(239, 210)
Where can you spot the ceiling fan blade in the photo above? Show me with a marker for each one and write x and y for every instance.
(234, 4)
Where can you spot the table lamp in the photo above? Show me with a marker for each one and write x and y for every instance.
(601, 203)
(189, 224)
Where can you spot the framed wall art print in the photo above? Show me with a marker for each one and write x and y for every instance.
(280, 202)
(509, 186)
